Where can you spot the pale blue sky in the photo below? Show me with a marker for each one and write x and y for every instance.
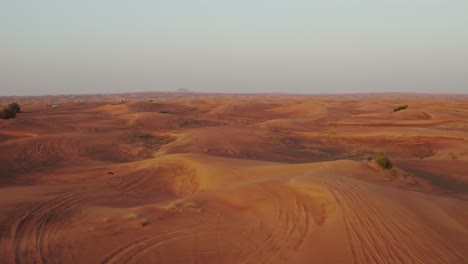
(328, 46)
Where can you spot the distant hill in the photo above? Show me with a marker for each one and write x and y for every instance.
(181, 90)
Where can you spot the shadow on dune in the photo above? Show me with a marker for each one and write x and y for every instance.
(445, 182)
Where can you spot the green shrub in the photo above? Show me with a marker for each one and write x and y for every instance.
(14, 107)
(7, 113)
(383, 161)
(10, 111)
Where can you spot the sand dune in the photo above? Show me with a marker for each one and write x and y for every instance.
(211, 179)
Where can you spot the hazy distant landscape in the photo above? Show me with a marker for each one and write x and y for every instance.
(220, 178)
(243, 131)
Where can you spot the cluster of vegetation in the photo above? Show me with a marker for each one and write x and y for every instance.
(401, 107)
(141, 221)
(10, 111)
(383, 161)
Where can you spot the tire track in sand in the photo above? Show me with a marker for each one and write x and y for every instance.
(136, 249)
(45, 152)
(377, 236)
(33, 232)
(291, 228)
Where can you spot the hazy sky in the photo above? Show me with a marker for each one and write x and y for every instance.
(300, 46)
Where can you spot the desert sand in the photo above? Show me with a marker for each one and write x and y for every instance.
(212, 178)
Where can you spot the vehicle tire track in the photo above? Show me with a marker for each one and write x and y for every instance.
(33, 232)
(378, 237)
(289, 233)
(45, 152)
(130, 252)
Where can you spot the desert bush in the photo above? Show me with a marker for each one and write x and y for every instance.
(10, 111)
(401, 107)
(143, 222)
(383, 161)
(368, 157)
(7, 113)
(14, 107)
(132, 216)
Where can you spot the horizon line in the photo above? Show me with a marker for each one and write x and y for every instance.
(187, 92)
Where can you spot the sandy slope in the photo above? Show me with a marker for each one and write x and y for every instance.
(216, 179)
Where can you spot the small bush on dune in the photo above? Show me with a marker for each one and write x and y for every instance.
(10, 111)
(132, 216)
(383, 161)
(14, 107)
(7, 113)
(143, 222)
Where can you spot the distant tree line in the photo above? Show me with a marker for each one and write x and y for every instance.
(10, 111)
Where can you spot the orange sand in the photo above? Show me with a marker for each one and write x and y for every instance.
(190, 178)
